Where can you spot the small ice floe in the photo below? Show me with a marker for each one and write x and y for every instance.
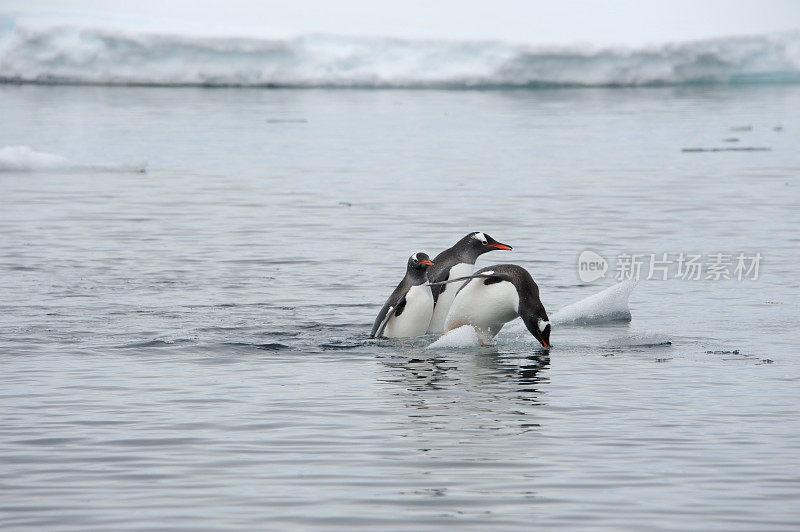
(642, 339)
(463, 337)
(609, 305)
(26, 159)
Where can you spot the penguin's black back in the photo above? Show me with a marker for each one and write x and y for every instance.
(527, 289)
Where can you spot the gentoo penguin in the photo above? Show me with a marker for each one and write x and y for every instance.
(457, 261)
(408, 310)
(496, 295)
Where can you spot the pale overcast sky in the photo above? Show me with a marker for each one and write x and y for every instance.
(631, 22)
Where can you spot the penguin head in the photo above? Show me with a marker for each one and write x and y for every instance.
(531, 309)
(538, 324)
(480, 243)
(418, 264)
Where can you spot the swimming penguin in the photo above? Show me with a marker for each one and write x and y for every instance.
(408, 310)
(457, 261)
(496, 295)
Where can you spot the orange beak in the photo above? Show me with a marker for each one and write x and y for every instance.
(500, 246)
(426, 262)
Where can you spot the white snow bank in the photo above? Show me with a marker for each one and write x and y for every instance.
(75, 54)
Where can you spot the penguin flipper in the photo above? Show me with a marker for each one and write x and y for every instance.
(393, 310)
(377, 331)
(437, 284)
(467, 278)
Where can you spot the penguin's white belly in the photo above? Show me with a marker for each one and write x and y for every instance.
(445, 299)
(485, 307)
(416, 315)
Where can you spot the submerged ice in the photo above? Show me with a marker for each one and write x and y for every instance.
(640, 339)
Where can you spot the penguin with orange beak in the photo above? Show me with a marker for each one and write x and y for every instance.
(408, 310)
(452, 263)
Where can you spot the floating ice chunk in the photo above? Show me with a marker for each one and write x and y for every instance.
(609, 305)
(26, 159)
(463, 337)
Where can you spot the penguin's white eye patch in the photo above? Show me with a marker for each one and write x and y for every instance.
(543, 325)
(414, 256)
(480, 237)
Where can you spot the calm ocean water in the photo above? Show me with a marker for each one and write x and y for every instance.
(187, 347)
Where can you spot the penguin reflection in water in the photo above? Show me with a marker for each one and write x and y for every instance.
(408, 310)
